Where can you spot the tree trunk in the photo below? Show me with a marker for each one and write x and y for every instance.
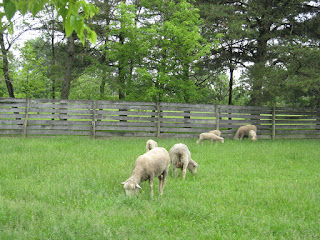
(53, 87)
(68, 73)
(230, 85)
(104, 76)
(5, 66)
(258, 69)
(121, 71)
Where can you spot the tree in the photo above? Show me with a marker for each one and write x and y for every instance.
(173, 44)
(73, 14)
(259, 27)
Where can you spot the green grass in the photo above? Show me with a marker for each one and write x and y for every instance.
(69, 188)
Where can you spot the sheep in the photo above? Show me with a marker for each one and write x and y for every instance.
(151, 144)
(210, 136)
(252, 135)
(154, 163)
(180, 157)
(216, 132)
(244, 131)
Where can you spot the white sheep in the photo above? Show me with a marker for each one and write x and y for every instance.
(252, 135)
(216, 132)
(180, 157)
(151, 144)
(154, 163)
(244, 131)
(210, 136)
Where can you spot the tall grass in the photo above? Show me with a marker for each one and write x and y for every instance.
(69, 188)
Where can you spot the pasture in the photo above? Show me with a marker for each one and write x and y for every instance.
(69, 188)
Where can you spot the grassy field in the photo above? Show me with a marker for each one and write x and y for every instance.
(69, 188)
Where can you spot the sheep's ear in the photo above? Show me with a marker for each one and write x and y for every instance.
(138, 186)
(123, 183)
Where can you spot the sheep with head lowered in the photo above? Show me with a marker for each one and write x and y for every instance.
(151, 144)
(244, 131)
(252, 135)
(180, 157)
(216, 132)
(154, 163)
(210, 136)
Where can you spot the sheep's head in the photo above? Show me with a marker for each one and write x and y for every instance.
(192, 166)
(131, 188)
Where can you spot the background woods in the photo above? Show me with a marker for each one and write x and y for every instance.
(260, 53)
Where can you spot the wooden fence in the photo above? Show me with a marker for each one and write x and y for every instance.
(29, 117)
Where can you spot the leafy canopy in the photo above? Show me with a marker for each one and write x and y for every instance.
(73, 12)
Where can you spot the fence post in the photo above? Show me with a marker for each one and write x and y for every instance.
(159, 119)
(318, 122)
(25, 124)
(217, 116)
(273, 123)
(93, 130)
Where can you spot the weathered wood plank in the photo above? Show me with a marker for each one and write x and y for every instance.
(58, 132)
(182, 125)
(57, 122)
(129, 113)
(124, 134)
(117, 118)
(124, 128)
(12, 127)
(60, 110)
(188, 114)
(295, 127)
(295, 132)
(11, 132)
(298, 136)
(11, 122)
(59, 127)
(133, 124)
(12, 100)
(12, 116)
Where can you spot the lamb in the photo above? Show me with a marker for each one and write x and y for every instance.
(151, 144)
(216, 132)
(210, 136)
(244, 131)
(154, 163)
(180, 157)
(252, 135)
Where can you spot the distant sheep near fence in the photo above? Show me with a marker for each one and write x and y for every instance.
(252, 135)
(244, 131)
(210, 136)
(151, 144)
(216, 132)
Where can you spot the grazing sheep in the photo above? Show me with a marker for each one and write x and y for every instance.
(252, 135)
(154, 163)
(216, 132)
(210, 136)
(181, 158)
(244, 131)
(151, 144)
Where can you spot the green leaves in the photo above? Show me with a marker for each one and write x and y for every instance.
(9, 8)
(73, 12)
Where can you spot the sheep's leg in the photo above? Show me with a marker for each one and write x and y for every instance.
(241, 137)
(162, 181)
(184, 171)
(151, 185)
(160, 184)
(175, 171)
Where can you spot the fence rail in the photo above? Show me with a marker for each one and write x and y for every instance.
(29, 117)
